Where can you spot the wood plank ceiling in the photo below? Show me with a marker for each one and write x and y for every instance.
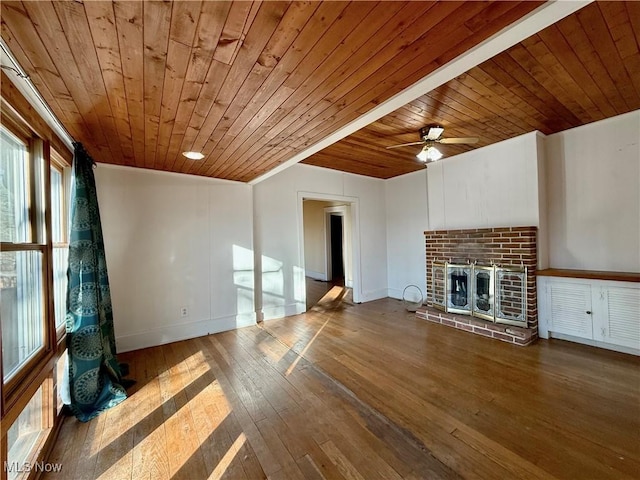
(584, 68)
(249, 84)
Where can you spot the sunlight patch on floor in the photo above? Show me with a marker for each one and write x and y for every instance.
(222, 466)
(304, 350)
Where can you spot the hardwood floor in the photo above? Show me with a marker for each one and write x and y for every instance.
(364, 392)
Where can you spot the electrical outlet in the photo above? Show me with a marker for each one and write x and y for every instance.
(184, 312)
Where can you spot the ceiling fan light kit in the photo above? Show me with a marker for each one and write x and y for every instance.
(429, 154)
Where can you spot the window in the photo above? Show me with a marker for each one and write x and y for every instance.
(33, 181)
(22, 259)
(60, 246)
(25, 435)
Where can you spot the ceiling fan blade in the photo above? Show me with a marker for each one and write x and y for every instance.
(452, 141)
(405, 145)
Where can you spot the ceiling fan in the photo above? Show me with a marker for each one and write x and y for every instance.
(430, 135)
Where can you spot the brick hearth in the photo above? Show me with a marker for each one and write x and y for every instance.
(506, 246)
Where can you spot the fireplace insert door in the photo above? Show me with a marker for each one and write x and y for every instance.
(439, 285)
(459, 287)
(511, 296)
(483, 292)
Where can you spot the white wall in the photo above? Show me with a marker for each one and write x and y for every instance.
(315, 261)
(593, 189)
(279, 240)
(493, 186)
(406, 221)
(175, 241)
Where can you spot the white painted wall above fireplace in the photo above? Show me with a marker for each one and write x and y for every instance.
(494, 186)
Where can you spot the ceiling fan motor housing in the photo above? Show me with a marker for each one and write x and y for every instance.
(431, 132)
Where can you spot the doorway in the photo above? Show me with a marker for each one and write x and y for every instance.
(335, 250)
(328, 240)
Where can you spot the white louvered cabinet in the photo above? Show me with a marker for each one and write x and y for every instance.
(620, 320)
(596, 312)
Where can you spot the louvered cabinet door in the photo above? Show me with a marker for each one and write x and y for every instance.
(570, 309)
(620, 322)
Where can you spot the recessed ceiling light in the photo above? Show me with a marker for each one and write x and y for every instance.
(193, 155)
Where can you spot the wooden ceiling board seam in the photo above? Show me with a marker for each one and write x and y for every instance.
(340, 54)
(218, 150)
(61, 101)
(542, 85)
(202, 67)
(48, 22)
(327, 44)
(272, 89)
(157, 23)
(250, 82)
(183, 30)
(101, 21)
(452, 112)
(268, 20)
(409, 32)
(633, 9)
(592, 19)
(231, 38)
(317, 75)
(387, 85)
(279, 43)
(75, 26)
(366, 76)
(586, 51)
(556, 41)
(266, 117)
(213, 109)
(128, 17)
(449, 108)
(298, 13)
(511, 14)
(332, 43)
(500, 102)
(353, 166)
(531, 89)
(185, 16)
(621, 29)
(437, 43)
(528, 96)
(178, 56)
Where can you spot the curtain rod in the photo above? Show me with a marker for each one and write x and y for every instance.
(24, 84)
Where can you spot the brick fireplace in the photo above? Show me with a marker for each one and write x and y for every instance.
(507, 247)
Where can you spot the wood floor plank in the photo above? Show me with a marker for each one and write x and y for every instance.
(364, 392)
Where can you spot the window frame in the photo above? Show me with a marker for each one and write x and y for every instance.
(57, 162)
(39, 370)
(11, 387)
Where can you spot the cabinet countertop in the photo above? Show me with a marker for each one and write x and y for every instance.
(590, 274)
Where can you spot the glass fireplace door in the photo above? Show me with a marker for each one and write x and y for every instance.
(459, 288)
(483, 288)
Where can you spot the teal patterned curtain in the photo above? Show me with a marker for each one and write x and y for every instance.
(95, 377)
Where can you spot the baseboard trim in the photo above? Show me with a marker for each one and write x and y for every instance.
(316, 275)
(374, 295)
(594, 343)
(281, 311)
(183, 331)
